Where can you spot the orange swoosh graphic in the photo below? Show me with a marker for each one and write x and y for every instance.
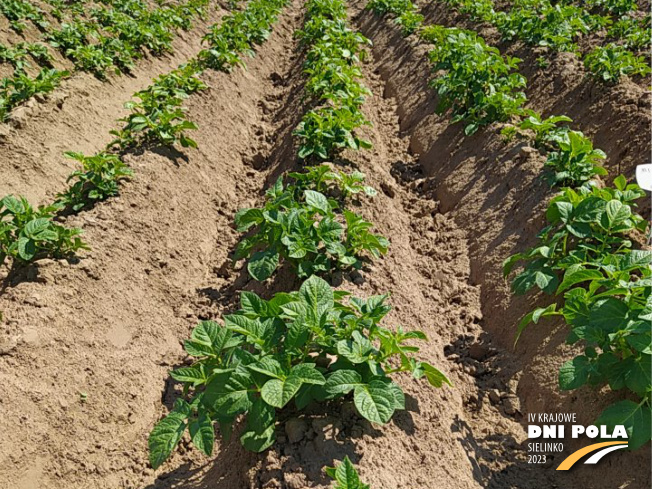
(575, 456)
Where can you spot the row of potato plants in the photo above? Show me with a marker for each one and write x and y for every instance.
(156, 118)
(151, 121)
(104, 38)
(587, 256)
(315, 344)
(333, 84)
(558, 26)
(111, 37)
(298, 223)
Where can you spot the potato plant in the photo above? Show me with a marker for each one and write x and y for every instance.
(28, 233)
(333, 73)
(396, 7)
(610, 314)
(70, 35)
(299, 225)
(405, 12)
(238, 34)
(480, 10)
(107, 54)
(18, 55)
(22, 87)
(110, 41)
(93, 58)
(158, 118)
(345, 476)
(473, 80)
(60, 8)
(618, 7)
(584, 225)
(537, 22)
(573, 160)
(311, 345)
(115, 36)
(586, 256)
(543, 23)
(410, 22)
(18, 12)
(98, 180)
(558, 26)
(326, 130)
(333, 52)
(635, 34)
(326, 179)
(609, 63)
(546, 131)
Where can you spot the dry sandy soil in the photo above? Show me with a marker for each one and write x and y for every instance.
(86, 346)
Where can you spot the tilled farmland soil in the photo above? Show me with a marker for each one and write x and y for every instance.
(85, 347)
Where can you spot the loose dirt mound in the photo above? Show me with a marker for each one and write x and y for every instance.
(85, 347)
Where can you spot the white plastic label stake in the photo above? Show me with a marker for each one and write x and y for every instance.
(644, 177)
(644, 180)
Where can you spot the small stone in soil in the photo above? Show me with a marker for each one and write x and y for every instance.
(356, 277)
(336, 280)
(478, 351)
(295, 429)
(494, 396)
(388, 190)
(512, 405)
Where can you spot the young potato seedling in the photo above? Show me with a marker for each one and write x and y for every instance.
(586, 256)
(27, 234)
(299, 224)
(98, 180)
(345, 476)
(307, 346)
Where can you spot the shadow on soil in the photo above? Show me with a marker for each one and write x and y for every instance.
(321, 439)
(485, 451)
